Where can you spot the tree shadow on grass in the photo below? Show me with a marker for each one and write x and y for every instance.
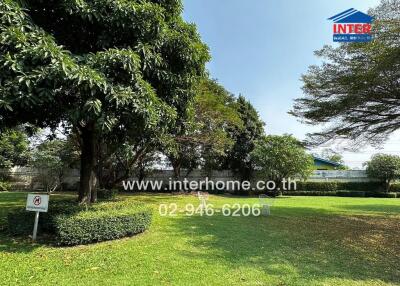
(10, 244)
(159, 198)
(373, 208)
(286, 243)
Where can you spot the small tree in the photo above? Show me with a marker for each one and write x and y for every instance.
(385, 168)
(281, 157)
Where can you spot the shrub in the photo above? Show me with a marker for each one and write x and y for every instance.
(317, 186)
(106, 194)
(72, 224)
(391, 195)
(5, 187)
(394, 188)
(21, 222)
(309, 193)
(360, 186)
(101, 224)
(336, 186)
(381, 195)
(351, 193)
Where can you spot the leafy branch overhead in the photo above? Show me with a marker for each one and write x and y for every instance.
(104, 67)
(355, 92)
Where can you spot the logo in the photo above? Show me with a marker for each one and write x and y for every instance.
(352, 26)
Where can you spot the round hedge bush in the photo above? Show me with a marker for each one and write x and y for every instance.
(104, 222)
(72, 224)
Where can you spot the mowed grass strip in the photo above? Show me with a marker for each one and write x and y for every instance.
(306, 241)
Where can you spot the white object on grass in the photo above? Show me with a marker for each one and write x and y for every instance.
(203, 197)
(266, 203)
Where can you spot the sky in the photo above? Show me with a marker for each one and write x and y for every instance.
(260, 49)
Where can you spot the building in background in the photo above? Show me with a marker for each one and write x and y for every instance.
(324, 164)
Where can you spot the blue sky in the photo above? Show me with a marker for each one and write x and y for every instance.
(260, 48)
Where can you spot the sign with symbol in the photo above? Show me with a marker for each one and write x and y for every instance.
(37, 200)
(37, 203)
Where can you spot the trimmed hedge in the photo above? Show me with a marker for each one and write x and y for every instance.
(342, 194)
(382, 195)
(71, 224)
(337, 186)
(317, 186)
(360, 186)
(308, 193)
(351, 194)
(20, 222)
(101, 224)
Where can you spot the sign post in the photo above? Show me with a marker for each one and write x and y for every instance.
(37, 203)
(35, 226)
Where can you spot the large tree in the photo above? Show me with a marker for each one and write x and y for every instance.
(238, 159)
(204, 134)
(355, 92)
(102, 66)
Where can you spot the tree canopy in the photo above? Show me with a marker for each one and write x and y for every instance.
(104, 67)
(238, 159)
(355, 92)
(204, 137)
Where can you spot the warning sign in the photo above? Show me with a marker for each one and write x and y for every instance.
(37, 203)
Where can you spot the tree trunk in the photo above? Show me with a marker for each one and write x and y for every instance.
(100, 165)
(387, 186)
(88, 179)
(176, 165)
(141, 174)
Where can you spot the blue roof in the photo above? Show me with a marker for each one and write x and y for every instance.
(351, 16)
(329, 162)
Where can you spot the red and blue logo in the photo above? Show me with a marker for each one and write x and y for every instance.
(352, 26)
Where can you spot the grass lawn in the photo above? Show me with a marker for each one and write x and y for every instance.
(306, 241)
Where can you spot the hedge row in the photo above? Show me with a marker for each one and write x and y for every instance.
(343, 194)
(20, 222)
(73, 225)
(367, 194)
(337, 186)
(100, 224)
(309, 193)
